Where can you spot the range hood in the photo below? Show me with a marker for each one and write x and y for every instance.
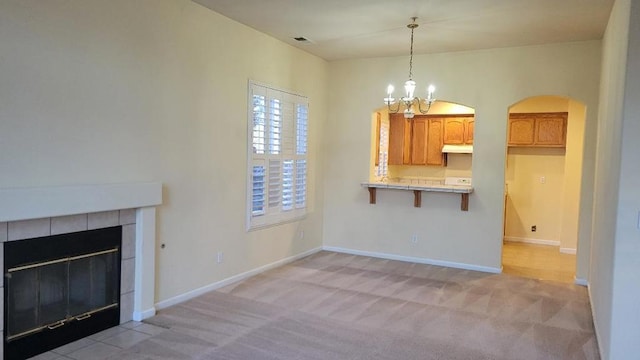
(458, 149)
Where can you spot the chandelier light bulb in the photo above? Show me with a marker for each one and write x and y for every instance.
(430, 90)
(390, 90)
(389, 100)
(410, 88)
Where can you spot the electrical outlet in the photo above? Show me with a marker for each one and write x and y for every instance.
(534, 228)
(543, 180)
(301, 236)
(220, 257)
(457, 181)
(414, 239)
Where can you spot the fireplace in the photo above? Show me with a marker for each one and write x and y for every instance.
(39, 212)
(59, 289)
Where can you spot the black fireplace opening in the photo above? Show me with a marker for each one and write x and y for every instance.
(60, 288)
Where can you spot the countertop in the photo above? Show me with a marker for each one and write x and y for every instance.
(423, 186)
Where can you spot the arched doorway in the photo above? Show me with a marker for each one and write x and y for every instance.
(542, 187)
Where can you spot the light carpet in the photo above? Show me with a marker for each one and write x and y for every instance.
(337, 306)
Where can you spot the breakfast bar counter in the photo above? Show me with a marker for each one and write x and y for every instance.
(418, 188)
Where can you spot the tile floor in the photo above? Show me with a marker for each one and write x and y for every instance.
(541, 262)
(105, 343)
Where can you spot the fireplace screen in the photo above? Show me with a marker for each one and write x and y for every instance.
(51, 294)
(60, 288)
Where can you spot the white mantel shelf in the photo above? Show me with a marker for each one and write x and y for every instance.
(42, 202)
(417, 189)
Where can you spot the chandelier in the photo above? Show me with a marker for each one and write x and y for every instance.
(409, 100)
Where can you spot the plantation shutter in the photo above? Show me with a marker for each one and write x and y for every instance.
(278, 132)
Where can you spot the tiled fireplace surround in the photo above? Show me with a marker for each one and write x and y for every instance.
(36, 212)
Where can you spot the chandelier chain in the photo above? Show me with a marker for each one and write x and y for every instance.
(411, 54)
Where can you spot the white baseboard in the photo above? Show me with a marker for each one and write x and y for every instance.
(570, 251)
(141, 315)
(414, 259)
(595, 322)
(222, 283)
(581, 282)
(532, 241)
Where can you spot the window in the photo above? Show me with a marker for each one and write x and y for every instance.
(383, 157)
(278, 124)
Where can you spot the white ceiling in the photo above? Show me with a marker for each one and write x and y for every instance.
(342, 29)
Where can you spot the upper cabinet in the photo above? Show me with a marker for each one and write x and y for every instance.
(435, 142)
(458, 130)
(417, 141)
(521, 130)
(538, 129)
(426, 141)
(551, 130)
(419, 137)
(399, 140)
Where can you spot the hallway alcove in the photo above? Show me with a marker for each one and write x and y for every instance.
(542, 190)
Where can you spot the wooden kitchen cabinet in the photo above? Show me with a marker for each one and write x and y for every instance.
(419, 137)
(435, 142)
(551, 130)
(399, 140)
(521, 131)
(538, 129)
(417, 141)
(468, 131)
(459, 130)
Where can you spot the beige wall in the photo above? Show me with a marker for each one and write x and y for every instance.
(444, 232)
(542, 103)
(625, 321)
(570, 228)
(532, 200)
(615, 249)
(154, 90)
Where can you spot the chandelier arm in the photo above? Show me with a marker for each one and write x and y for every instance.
(391, 110)
(408, 103)
(419, 101)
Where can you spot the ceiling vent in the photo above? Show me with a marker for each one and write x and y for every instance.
(302, 39)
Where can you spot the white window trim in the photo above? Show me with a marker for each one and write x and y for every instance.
(275, 216)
